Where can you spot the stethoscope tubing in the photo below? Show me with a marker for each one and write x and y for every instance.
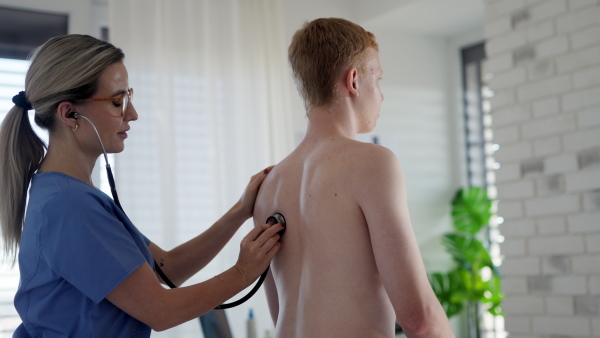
(278, 218)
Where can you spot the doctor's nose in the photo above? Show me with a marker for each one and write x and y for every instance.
(130, 113)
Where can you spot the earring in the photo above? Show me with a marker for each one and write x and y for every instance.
(75, 126)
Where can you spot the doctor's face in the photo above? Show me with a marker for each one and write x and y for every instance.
(105, 109)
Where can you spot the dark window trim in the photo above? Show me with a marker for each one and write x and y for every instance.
(23, 30)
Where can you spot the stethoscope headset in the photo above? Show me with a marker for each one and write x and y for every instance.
(276, 218)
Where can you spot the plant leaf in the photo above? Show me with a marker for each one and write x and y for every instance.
(494, 297)
(467, 251)
(449, 291)
(471, 209)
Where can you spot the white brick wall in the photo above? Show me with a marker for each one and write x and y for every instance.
(548, 126)
(545, 58)
(589, 117)
(547, 146)
(583, 181)
(541, 31)
(556, 245)
(521, 266)
(512, 115)
(594, 285)
(584, 222)
(586, 37)
(504, 98)
(562, 325)
(518, 229)
(553, 225)
(569, 285)
(516, 190)
(549, 106)
(581, 98)
(586, 78)
(544, 88)
(556, 205)
(499, 63)
(523, 305)
(552, 47)
(559, 305)
(592, 244)
(583, 139)
(508, 172)
(589, 264)
(577, 20)
(575, 60)
(514, 152)
(517, 324)
(563, 163)
(515, 285)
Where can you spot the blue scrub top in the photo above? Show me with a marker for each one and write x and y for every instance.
(76, 247)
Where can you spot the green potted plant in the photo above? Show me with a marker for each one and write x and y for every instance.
(474, 280)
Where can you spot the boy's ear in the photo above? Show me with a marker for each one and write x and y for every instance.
(352, 81)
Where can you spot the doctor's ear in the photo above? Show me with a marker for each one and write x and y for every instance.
(352, 81)
(65, 111)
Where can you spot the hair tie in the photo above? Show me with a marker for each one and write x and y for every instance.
(20, 100)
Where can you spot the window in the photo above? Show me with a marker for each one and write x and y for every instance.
(24, 30)
(480, 157)
(21, 32)
(12, 78)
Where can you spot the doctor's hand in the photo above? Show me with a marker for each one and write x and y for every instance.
(248, 198)
(257, 250)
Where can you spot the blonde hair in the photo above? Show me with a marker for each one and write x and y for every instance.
(65, 68)
(321, 50)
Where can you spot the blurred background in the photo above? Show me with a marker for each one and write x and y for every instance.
(502, 94)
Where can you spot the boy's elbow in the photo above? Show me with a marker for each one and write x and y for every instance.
(427, 323)
(418, 327)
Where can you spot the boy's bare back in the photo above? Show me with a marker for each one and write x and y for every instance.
(325, 275)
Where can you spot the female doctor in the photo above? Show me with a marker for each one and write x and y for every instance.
(86, 270)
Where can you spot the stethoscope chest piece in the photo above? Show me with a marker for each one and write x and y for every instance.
(277, 218)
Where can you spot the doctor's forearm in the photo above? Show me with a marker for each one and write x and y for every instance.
(187, 259)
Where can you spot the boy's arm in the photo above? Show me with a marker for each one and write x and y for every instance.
(382, 198)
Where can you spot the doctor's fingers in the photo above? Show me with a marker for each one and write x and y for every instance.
(270, 233)
(265, 230)
(261, 246)
(256, 180)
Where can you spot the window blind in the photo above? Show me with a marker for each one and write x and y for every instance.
(12, 80)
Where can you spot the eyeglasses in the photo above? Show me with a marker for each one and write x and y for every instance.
(122, 100)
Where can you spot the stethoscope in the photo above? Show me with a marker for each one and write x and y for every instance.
(271, 220)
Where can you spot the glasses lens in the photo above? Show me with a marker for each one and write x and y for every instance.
(124, 104)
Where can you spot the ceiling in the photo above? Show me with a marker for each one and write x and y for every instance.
(440, 18)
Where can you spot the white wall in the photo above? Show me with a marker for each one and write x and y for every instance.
(545, 57)
(421, 121)
(295, 13)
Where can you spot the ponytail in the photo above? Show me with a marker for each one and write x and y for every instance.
(21, 152)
